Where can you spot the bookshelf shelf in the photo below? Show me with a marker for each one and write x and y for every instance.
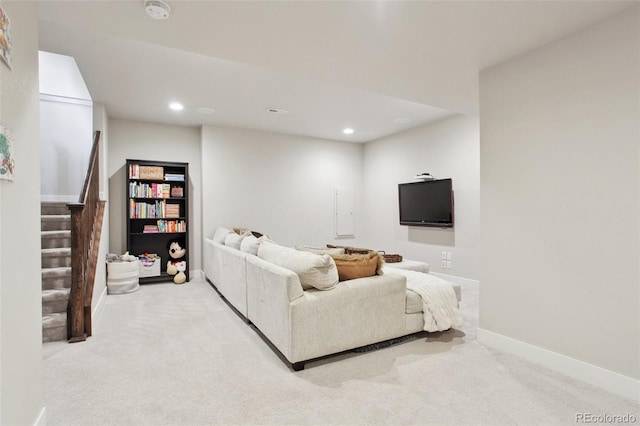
(157, 203)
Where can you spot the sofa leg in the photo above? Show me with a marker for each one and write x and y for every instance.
(298, 366)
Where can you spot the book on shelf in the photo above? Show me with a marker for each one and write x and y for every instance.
(149, 190)
(172, 210)
(172, 226)
(174, 176)
(141, 210)
(134, 171)
(150, 229)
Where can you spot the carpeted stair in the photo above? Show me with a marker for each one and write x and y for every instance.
(56, 269)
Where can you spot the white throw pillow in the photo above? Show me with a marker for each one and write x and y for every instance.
(250, 244)
(220, 233)
(234, 240)
(314, 270)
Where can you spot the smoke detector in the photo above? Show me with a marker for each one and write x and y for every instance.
(157, 9)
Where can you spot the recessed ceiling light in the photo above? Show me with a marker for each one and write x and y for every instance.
(348, 131)
(401, 120)
(176, 106)
(206, 110)
(157, 9)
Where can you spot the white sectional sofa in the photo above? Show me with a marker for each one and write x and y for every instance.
(306, 324)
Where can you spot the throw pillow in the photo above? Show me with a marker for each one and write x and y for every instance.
(321, 250)
(234, 240)
(250, 244)
(351, 250)
(352, 266)
(314, 270)
(220, 233)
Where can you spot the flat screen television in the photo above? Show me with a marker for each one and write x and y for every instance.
(427, 203)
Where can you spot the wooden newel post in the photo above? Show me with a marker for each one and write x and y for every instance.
(75, 308)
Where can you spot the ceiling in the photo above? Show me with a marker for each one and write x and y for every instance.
(379, 67)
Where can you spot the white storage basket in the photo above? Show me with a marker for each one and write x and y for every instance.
(122, 277)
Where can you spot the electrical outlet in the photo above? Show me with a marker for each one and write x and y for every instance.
(449, 255)
(444, 255)
(444, 264)
(448, 264)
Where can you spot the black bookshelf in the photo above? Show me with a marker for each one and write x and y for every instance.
(157, 210)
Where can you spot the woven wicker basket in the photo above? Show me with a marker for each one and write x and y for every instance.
(151, 172)
(391, 258)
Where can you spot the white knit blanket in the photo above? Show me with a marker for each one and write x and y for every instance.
(439, 303)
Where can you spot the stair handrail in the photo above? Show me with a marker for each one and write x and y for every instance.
(86, 226)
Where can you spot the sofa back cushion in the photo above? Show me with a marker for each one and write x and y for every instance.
(220, 234)
(249, 244)
(234, 240)
(314, 270)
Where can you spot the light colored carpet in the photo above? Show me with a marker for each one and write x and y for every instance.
(177, 355)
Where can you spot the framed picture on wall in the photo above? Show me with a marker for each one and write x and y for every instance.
(5, 38)
(7, 164)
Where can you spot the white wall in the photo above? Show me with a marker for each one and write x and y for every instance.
(277, 184)
(20, 284)
(65, 143)
(159, 142)
(60, 76)
(560, 262)
(448, 148)
(66, 134)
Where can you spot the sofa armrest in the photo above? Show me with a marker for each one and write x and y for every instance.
(270, 290)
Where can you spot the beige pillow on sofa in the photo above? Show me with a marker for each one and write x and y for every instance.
(352, 266)
(314, 270)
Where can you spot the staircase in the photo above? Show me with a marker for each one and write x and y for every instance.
(56, 269)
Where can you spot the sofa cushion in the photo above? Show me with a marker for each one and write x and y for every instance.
(314, 270)
(320, 250)
(414, 302)
(220, 233)
(250, 244)
(352, 266)
(234, 240)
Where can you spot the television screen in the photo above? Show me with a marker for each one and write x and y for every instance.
(428, 203)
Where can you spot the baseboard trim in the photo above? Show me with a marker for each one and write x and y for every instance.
(611, 381)
(42, 418)
(457, 280)
(197, 274)
(95, 314)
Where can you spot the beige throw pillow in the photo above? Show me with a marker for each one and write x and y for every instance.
(352, 266)
(314, 270)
